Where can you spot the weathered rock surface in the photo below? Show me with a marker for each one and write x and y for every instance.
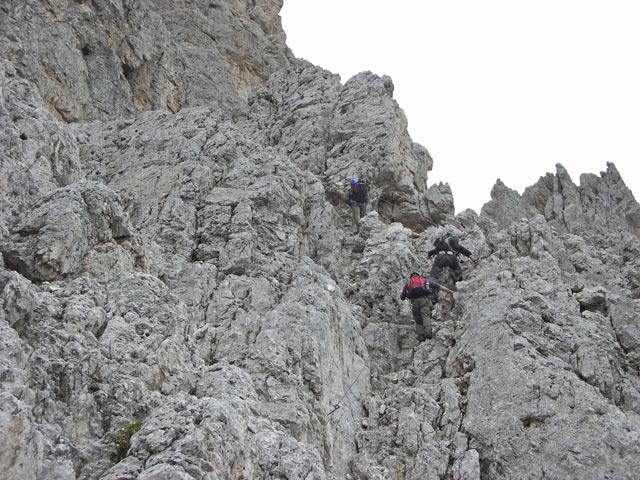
(99, 59)
(181, 296)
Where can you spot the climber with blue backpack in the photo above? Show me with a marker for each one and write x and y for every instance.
(421, 293)
(357, 200)
(446, 249)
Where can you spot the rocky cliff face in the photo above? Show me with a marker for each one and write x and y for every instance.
(182, 297)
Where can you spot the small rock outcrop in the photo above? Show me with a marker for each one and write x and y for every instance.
(182, 296)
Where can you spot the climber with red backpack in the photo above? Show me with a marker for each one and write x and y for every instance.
(421, 292)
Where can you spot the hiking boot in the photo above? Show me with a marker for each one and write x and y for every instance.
(425, 336)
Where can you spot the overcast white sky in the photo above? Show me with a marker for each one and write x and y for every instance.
(494, 88)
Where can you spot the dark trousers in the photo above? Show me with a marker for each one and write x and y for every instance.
(446, 260)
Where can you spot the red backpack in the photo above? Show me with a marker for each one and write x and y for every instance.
(417, 282)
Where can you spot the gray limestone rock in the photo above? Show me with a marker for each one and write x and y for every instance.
(55, 238)
(182, 294)
(99, 59)
(505, 206)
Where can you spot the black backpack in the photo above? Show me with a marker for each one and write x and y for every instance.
(444, 242)
(360, 192)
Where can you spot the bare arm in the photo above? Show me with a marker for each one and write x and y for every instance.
(445, 289)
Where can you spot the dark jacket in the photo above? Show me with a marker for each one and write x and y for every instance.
(358, 192)
(452, 245)
(432, 288)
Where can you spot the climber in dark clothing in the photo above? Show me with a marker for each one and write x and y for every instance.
(420, 292)
(357, 200)
(446, 260)
(450, 247)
